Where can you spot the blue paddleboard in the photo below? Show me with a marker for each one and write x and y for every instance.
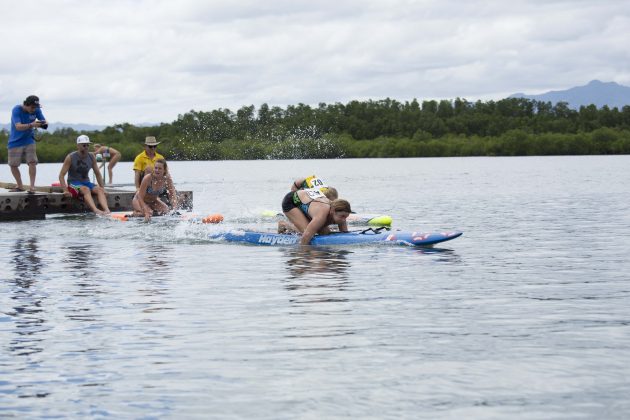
(351, 238)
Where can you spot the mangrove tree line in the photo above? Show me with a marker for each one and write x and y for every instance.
(383, 128)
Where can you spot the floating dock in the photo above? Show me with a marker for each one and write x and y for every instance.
(50, 200)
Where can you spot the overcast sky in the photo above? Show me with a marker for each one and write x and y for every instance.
(115, 61)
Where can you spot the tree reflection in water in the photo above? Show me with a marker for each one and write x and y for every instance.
(28, 308)
(85, 265)
(321, 297)
(319, 274)
(156, 274)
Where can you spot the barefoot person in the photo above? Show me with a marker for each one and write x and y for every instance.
(24, 119)
(111, 156)
(311, 212)
(146, 201)
(309, 183)
(77, 165)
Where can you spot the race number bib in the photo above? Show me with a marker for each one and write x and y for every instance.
(315, 183)
(314, 193)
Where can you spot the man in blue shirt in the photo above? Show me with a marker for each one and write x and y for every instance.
(24, 119)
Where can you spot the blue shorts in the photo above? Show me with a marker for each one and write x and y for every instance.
(79, 184)
(74, 188)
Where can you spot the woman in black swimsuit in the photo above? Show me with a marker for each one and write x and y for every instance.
(312, 213)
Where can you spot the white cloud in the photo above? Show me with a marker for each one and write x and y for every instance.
(137, 61)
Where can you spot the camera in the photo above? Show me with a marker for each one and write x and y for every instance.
(44, 126)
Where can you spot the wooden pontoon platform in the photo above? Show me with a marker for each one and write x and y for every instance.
(49, 200)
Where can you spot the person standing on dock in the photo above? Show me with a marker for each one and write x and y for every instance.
(24, 119)
(110, 156)
(144, 162)
(77, 165)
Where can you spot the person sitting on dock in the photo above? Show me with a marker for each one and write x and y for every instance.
(110, 156)
(24, 119)
(143, 163)
(311, 212)
(146, 201)
(77, 165)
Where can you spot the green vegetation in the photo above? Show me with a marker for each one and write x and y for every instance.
(385, 128)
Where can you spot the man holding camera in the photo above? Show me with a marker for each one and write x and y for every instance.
(24, 119)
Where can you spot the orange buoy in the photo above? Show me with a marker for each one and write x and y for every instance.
(213, 218)
(119, 217)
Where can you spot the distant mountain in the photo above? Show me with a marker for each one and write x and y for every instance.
(56, 125)
(595, 92)
(79, 127)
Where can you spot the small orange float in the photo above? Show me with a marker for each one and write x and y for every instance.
(213, 218)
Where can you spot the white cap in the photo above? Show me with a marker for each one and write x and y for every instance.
(83, 139)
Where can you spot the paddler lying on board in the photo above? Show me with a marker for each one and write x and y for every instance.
(146, 200)
(310, 212)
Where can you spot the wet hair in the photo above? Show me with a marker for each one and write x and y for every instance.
(163, 162)
(340, 205)
(330, 193)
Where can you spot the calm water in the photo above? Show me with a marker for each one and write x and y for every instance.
(525, 316)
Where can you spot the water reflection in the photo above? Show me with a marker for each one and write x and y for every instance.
(321, 262)
(320, 293)
(157, 260)
(317, 274)
(156, 274)
(80, 259)
(444, 255)
(84, 263)
(28, 309)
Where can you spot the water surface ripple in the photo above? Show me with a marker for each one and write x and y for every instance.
(525, 316)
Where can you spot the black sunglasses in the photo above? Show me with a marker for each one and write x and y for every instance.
(151, 147)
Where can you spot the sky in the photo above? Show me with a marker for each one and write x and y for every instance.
(116, 61)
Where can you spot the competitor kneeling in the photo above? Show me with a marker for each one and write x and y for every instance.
(311, 212)
(146, 200)
(311, 183)
(77, 165)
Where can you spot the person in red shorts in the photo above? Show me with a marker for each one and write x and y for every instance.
(77, 165)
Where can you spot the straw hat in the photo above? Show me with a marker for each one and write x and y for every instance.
(151, 141)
